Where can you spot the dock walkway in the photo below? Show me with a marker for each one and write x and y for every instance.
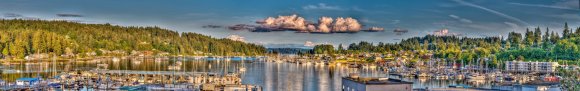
(134, 72)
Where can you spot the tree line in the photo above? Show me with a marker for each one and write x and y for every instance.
(19, 38)
(534, 45)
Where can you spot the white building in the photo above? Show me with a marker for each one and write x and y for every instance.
(520, 66)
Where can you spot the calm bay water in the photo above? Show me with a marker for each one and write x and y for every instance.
(271, 76)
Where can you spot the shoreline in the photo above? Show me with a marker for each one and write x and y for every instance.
(102, 57)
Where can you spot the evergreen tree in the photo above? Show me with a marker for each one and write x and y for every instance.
(537, 36)
(554, 37)
(566, 32)
(577, 32)
(515, 39)
(340, 49)
(546, 39)
(21, 38)
(529, 39)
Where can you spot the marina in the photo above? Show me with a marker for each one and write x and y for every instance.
(289, 45)
(256, 75)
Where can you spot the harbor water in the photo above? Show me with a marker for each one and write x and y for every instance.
(271, 76)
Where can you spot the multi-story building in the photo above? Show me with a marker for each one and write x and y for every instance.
(541, 67)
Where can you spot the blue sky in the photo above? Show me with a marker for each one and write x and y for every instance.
(473, 18)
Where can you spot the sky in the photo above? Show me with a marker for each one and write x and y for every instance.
(471, 18)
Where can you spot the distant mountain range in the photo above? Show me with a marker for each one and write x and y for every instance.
(288, 48)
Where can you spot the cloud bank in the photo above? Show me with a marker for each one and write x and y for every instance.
(324, 24)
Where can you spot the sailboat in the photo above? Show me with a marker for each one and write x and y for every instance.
(243, 68)
(460, 74)
(475, 76)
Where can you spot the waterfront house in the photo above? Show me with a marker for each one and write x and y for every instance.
(355, 83)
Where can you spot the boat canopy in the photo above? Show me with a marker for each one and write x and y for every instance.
(28, 79)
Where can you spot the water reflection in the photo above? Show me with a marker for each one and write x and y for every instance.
(272, 76)
(300, 77)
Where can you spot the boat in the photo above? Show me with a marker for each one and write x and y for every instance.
(459, 86)
(499, 79)
(27, 82)
(459, 76)
(159, 59)
(133, 88)
(354, 66)
(476, 77)
(551, 78)
(55, 85)
(102, 66)
(423, 75)
(508, 78)
(441, 77)
(407, 74)
(115, 59)
(308, 63)
(243, 69)
(373, 67)
(137, 62)
(174, 67)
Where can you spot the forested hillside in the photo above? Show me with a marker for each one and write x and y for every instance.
(19, 38)
(537, 44)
